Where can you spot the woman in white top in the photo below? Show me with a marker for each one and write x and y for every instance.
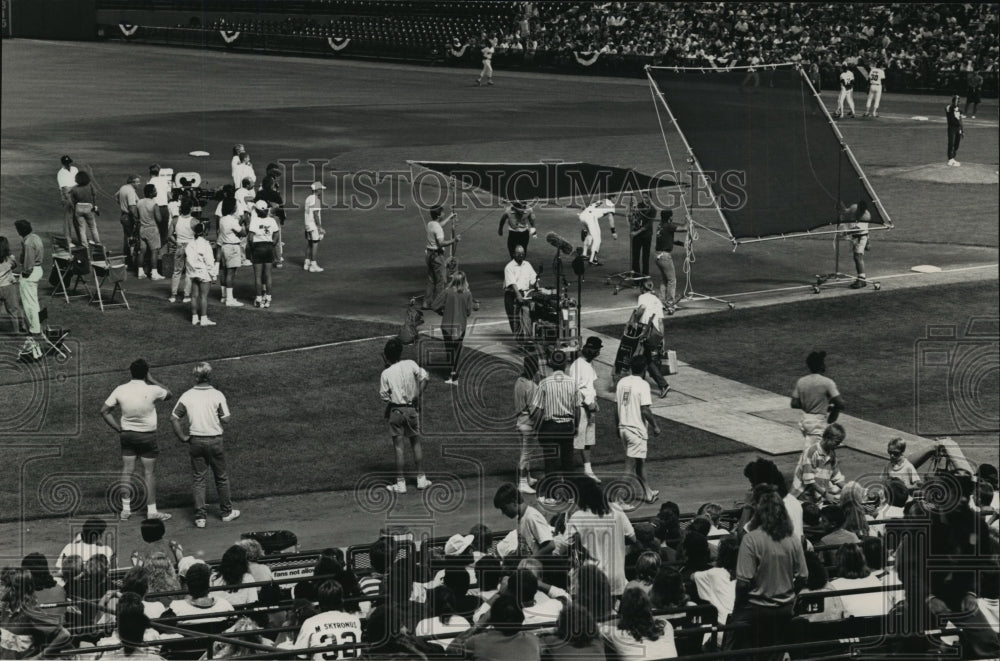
(639, 635)
(242, 169)
(201, 269)
(198, 600)
(602, 530)
(88, 543)
(132, 626)
(233, 571)
(853, 573)
(445, 619)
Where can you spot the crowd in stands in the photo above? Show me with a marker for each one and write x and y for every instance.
(588, 583)
(920, 46)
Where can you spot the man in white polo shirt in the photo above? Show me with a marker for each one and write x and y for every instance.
(137, 431)
(632, 414)
(206, 411)
(66, 178)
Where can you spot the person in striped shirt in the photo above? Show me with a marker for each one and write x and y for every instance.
(556, 403)
(400, 387)
(817, 475)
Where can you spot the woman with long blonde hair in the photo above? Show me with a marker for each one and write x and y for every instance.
(455, 305)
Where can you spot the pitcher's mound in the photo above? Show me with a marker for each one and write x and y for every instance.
(942, 173)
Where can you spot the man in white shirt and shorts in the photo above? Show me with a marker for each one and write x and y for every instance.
(137, 432)
(632, 415)
(314, 227)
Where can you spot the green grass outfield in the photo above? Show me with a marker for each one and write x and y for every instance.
(310, 420)
(873, 344)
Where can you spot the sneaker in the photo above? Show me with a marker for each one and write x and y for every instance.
(155, 275)
(246, 262)
(663, 391)
(423, 482)
(267, 301)
(199, 523)
(160, 516)
(951, 161)
(315, 268)
(972, 116)
(875, 115)
(858, 284)
(280, 265)
(627, 507)
(257, 302)
(524, 487)
(205, 321)
(451, 382)
(141, 275)
(233, 303)
(478, 83)
(866, 114)
(851, 115)
(305, 266)
(172, 299)
(124, 515)
(956, 163)
(232, 516)
(593, 477)
(398, 487)
(490, 83)
(195, 321)
(187, 299)
(652, 497)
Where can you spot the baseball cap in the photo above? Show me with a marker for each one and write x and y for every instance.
(65, 160)
(456, 544)
(186, 563)
(318, 185)
(260, 205)
(593, 343)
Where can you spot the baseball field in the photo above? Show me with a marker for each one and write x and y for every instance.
(302, 376)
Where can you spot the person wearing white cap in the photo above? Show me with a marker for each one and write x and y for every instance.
(314, 227)
(591, 217)
(262, 230)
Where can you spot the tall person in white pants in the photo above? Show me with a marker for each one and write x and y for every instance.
(876, 78)
(846, 91)
(314, 227)
(487, 71)
(591, 219)
(31, 273)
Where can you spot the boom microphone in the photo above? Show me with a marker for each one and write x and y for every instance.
(559, 243)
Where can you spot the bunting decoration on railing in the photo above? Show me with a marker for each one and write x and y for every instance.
(127, 29)
(229, 36)
(458, 52)
(338, 43)
(586, 58)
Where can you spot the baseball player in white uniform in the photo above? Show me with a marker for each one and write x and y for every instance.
(487, 71)
(846, 91)
(591, 219)
(876, 79)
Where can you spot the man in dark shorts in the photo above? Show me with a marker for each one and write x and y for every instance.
(400, 387)
(137, 432)
(643, 217)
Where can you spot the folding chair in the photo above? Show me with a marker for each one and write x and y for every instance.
(111, 269)
(71, 268)
(54, 341)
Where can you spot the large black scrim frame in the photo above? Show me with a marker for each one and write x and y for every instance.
(775, 160)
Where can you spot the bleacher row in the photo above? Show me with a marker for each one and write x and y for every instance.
(293, 567)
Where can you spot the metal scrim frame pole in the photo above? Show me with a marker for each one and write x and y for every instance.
(837, 277)
(689, 292)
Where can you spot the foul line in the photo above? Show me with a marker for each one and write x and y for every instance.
(308, 348)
